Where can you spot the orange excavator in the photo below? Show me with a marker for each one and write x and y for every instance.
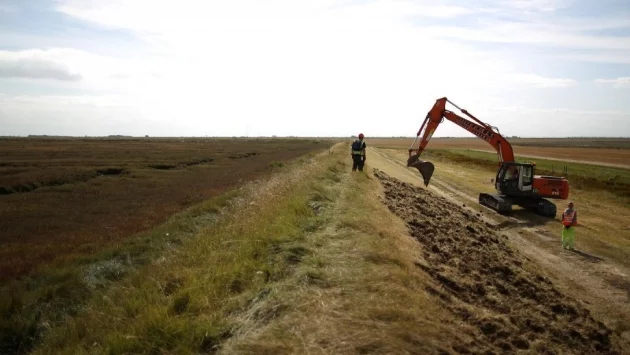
(515, 182)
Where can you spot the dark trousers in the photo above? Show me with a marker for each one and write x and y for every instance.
(357, 162)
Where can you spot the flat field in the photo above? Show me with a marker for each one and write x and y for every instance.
(320, 259)
(61, 198)
(603, 151)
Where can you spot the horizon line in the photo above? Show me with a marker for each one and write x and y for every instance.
(293, 136)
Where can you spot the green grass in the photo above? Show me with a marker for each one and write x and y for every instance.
(276, 164)
(32, 305)
(182, 303)
(580, 176)
(357, 288)
(309, 260)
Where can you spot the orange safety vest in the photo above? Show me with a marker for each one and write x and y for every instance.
(567, 218)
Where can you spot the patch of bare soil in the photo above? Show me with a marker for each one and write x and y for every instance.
(506, 306)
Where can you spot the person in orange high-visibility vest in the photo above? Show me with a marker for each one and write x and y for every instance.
(569, 221)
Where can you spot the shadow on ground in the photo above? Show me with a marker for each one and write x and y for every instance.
(589, 257)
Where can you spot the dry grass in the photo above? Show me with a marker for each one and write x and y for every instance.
(357, 291)
(307, 261)
(63, 198)
(181, 303)
(30, 307)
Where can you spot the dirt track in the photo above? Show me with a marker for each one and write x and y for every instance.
(504, 302)
(607, 153)
(567, 155)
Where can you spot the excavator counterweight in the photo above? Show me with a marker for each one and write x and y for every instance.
(516, 182)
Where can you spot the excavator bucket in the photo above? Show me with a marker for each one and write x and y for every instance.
(424, 167)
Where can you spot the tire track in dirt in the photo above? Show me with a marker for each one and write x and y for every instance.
(563, 159)
(507, 304)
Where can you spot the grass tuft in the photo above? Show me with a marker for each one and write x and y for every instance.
(276, 164)
(180, 304)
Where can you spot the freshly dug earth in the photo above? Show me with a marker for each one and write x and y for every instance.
(506, 305)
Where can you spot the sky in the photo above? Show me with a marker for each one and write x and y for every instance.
(538, 68)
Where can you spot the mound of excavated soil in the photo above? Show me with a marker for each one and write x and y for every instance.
(505, 305)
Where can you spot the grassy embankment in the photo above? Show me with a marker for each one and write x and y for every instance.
(601, 194)
(31, 305)
(307, 260)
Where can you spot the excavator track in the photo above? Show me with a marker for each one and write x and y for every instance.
(499, 203)
(539, 206)
(503, 204)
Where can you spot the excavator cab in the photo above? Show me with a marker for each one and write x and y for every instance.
(516, 184)
(424, 167)
(515, 179)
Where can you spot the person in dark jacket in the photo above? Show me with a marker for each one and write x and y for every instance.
(358, 153)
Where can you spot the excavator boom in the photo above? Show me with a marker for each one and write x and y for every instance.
(480, 129)
(525, 190)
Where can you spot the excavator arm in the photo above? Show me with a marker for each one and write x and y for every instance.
(480, 129)
(521, 187)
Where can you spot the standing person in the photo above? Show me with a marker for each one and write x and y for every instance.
(358, 153)
(569, 220)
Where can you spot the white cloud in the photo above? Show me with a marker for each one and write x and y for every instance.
(557, 111)
(101, 101)
(69, 115)
(537, 24)
(404, 8)
(547, 35)
(248, 59)
(312, 67)
(542, 82)
(85, 70)
(621, 82)
(555, 122)
(112, 114)
(36, 64)
(610, 57)
(535, 5)
(445, 11)
(185, 15)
